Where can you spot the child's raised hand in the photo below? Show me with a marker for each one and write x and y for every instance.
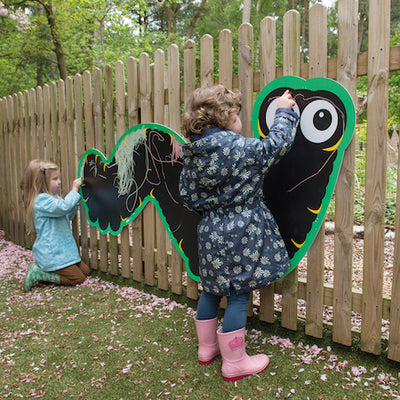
(286, 101)
(76, 184)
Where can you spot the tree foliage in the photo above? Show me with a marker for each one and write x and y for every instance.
(41, 37)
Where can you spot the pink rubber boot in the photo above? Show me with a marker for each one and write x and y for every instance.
(236, 364)
(208, 344)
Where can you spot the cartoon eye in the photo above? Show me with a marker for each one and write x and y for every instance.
(319, 121)
(270, 114)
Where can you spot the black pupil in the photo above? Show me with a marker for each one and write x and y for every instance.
(322, 120)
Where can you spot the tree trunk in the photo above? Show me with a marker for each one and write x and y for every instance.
(195, 18)
(303, 29)
(363, 15)
(246, 11)
(62, 67)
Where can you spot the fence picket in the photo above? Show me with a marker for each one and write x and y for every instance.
(344, 204)
(175, 124)
(267, 74)
(225, 58)
(107, 260)
(291, 66)
(133, 119)
(90, 143)
(80, 143)
(315, 261)
(377, 132)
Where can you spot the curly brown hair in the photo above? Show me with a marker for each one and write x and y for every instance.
(210, 107)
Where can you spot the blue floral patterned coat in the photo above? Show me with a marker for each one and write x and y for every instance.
(222, 178)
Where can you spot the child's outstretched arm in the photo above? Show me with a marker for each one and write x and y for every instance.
(76, 184)
(281, 135)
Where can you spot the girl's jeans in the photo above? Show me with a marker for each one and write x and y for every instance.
(235, 314)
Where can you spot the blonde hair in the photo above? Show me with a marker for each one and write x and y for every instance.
(36, 180)
(210, 107)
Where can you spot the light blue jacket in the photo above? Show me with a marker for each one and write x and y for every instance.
(55, 247)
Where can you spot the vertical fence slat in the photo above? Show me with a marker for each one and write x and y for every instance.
(375, 188)
(159, 105)
(9, 187)
(316, 253)
(22, 162)
(71, 156)
(90, 143)
(267, 74)
(121, 128)
(3, 180)
(10, 163)
(189, 76)
(62, 131)
(80, 142)
(148, 211)
(394, 332)
(246, 76)
(39, 121)
(33, 124)
(56, 154)
(207, 60)
(29, 233)
(246, 89)
(225, 58)
(99, 143)
(133, 119)
(27, 127)
(46, 123)
(344, 203)
(17, 170)
(112, 258)
(291, 66)
(175, 124)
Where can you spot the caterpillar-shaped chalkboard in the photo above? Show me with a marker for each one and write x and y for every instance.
(147, 160)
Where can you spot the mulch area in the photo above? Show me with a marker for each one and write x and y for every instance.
(358, 259)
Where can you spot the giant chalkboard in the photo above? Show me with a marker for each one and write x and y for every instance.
(147, 160)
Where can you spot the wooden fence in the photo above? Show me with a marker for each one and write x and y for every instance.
(61, 120)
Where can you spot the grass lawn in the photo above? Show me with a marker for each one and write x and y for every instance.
(106, 340)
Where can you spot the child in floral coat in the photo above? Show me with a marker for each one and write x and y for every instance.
(240, 247)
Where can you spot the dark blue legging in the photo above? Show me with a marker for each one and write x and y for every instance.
(235, 314)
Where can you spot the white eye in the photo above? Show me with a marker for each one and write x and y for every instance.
(319, 121)
(270, 114)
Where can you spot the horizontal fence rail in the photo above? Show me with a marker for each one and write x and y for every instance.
(63, 119)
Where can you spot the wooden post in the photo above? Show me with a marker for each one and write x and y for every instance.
(189, 77)
(291, 66)
(90, 143)
(175, 124)
(267, 74)
(246, 76)
(206, 61)
(148, 211)
(344, 200)
(315, 267)
(107, 263)
(133, 119)
(225, 58)
(80, 143)
(377, 115)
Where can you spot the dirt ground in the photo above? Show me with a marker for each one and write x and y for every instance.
(358, 257)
